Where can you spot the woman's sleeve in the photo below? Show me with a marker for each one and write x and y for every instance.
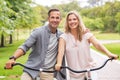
(88, 35)
(63, 36)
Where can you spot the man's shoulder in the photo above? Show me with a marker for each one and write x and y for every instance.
(38, 28)
(37, 31)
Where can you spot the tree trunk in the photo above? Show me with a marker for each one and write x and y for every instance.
(2, 40)
(11, 40)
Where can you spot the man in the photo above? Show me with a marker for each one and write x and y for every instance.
(44, 44)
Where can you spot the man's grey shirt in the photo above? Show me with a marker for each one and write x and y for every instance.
(38, 42)
(50, 58)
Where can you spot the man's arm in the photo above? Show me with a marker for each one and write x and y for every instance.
(12, 59)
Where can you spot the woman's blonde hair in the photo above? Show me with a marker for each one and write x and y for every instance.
(81, 26)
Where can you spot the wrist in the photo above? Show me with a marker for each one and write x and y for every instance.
(12, 58)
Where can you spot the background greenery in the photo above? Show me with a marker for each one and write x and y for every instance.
(19, 17)
(21, 14)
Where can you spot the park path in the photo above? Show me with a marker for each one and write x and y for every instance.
(109, 41)
(112, 69)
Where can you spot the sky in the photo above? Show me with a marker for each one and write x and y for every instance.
(51, 2)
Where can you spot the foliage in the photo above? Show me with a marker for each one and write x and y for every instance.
(15, 14)
(40, 13)
(93, 24)
(108, 13)
(20, 14)
(117, 18)
(65, 8)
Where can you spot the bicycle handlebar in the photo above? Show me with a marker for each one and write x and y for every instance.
(87, 70)
(42, 70)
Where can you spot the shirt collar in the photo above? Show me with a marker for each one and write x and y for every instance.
(48, 29)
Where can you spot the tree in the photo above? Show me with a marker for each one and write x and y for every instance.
(3, 20)
(94, 24)
(13, 15)
(117, 18)
(107, 13)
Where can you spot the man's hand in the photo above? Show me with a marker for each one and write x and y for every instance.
(9, 64)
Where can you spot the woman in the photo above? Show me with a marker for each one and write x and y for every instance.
(75, 44)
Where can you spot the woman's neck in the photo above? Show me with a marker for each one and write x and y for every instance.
(75, 34)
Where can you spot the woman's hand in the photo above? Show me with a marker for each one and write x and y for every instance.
(111, 55)
(57, 67)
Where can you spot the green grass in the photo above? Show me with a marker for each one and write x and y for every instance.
(5, 52)
(106, 36)
(113, 47)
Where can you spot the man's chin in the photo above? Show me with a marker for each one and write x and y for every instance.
(55, 26)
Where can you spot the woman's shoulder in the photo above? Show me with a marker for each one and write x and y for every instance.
(88, 35)
(65, 34)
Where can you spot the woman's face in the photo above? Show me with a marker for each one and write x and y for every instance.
(72, 21)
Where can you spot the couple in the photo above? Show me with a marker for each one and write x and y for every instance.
(47, 43)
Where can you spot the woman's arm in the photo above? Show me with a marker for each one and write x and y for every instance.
(61, 50)
(101, 47)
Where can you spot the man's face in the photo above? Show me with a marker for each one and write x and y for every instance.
(54, 19)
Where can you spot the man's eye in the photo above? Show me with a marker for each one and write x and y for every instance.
(52, 17)
(57, 17)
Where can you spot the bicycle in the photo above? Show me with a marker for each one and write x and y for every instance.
(82, 71)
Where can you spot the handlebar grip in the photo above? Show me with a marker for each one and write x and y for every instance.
(5, 67)
(114, 57)
(11, 65)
